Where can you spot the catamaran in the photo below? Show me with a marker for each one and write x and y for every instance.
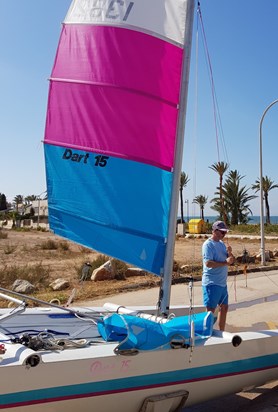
(113, 151)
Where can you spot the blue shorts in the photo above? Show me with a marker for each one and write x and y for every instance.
(214, 295)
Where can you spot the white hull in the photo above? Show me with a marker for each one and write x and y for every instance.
(95, 378)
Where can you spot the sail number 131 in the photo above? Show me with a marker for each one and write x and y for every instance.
(111, 9)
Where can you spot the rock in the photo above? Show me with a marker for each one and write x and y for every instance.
(135, 272)
(104, 272)
(59, 284)
(266, 253)
(252, 259)
(275, 253)
(241, 259)
(23, 286)
(175, 266)
(120, 276)
(190, 269)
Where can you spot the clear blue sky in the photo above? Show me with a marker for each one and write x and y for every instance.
(242, 39)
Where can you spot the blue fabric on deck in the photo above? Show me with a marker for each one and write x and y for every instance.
(143, 334)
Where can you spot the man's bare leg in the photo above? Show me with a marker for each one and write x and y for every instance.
(223, 310)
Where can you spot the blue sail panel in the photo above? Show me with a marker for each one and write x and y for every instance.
(103, 203)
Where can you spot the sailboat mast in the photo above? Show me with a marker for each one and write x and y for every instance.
(165, 291)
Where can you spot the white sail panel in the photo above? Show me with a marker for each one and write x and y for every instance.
(165, 18)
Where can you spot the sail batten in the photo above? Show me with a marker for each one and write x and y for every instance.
(111, 127)
(106, 153)
(122, 57)
(129, 90)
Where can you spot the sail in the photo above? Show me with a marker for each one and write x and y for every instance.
(111, 126)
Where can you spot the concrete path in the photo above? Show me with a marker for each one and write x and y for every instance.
(253, 300)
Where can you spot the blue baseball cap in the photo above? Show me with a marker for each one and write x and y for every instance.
(219, 225)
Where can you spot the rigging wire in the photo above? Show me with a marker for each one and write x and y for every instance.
(216, 112)
(195, 135)
(219, 133)
(200, 33)
(196, 114)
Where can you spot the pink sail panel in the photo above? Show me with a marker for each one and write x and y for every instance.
(102, 120)
(120, 57)
(138, 96)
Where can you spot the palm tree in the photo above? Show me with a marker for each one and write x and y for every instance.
(14, 216)
(18, 199)
(221, 168)
(30, 198)
(215, 205)
(236, 198)
(183, 183)
(201, 200)
(268, 185)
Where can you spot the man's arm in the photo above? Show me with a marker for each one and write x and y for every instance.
(213, 264)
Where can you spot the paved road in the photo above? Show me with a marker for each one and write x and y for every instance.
(262, 399)
(253, 305)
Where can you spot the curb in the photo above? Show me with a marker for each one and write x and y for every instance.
(198, 278)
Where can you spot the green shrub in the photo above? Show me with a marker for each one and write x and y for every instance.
(38, 275)
(254, 229)
(84, 249)
(49, 245)
(41, 229)
(63, 245)
(96, 263)
(3, 235)
(9, 249)
(119, 267)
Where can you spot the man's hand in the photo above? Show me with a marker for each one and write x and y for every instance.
(230, 260)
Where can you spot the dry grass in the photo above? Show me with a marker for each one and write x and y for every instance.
(36, 274)
(41, 257)
(3, 234)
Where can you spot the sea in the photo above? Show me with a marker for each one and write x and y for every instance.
(254, 220)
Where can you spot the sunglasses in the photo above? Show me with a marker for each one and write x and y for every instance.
(222, 231)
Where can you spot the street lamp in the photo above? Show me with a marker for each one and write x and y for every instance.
(261, 186)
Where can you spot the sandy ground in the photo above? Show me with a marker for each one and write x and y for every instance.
(23, 249)
(30, 248)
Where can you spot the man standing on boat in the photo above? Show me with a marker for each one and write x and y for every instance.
(216, 259)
